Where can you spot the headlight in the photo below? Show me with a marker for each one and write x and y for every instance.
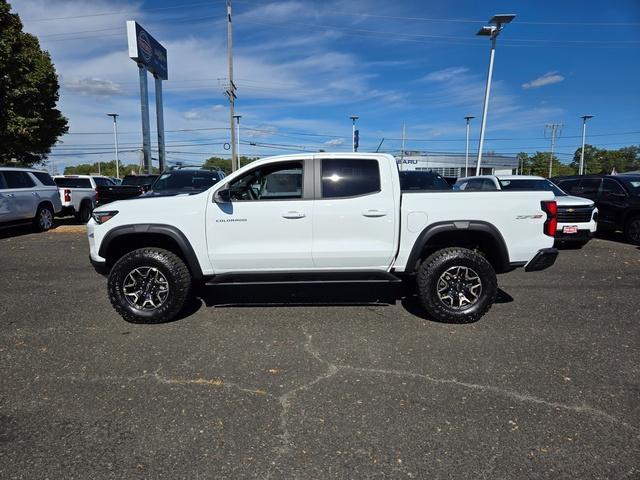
(101, 217)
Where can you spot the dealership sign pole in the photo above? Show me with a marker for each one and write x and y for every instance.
(150, 56)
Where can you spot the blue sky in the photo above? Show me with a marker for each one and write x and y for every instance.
(303, 67)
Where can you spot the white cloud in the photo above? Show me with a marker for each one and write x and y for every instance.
(334, 142)
(193, 115)
(218, 108)
(97, 87)
(548, 78)
(445, 74)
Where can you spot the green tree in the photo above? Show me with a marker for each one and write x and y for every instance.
(538, 164)
(106, 168)
(600, 160)
(224, 164)
(30, 123)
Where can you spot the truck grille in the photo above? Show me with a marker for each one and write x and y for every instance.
(574, 214)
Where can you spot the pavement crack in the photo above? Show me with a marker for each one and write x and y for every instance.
(521, 397)
(285, 398)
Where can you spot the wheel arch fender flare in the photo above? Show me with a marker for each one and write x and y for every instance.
(168, 231)
(460, 226)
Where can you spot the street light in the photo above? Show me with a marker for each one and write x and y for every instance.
(490, 31)
(238, 117)
(584, 135)
(466, 152)
(115, 137)
(353, 133)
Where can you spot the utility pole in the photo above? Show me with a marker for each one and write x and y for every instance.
(231, 90)
(584, 135)
(553, 130)
(238, 117)
(354, 147)
(115, 139)
(466, 152)
(402, 147)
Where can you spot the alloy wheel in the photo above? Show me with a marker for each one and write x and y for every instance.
(459, 287)
(145, 288)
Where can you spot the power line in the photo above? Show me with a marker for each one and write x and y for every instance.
(120, 12)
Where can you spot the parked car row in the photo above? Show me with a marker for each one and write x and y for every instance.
(606, 202)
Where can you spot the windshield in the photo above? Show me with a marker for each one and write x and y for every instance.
(413, 181)
(532, 184)
(632, 182)
(186, 181)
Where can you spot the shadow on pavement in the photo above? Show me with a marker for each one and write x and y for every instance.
(329, 295)
(26, 228)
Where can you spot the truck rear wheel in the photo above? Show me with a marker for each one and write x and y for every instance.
(456, 285)
(149, 285)
(84, 214)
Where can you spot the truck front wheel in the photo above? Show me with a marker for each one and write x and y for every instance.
(456, 285)
(149, 285)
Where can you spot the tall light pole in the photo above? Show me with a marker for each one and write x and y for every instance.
(231, 91)
(353, 133)
(490, 31)
(115, 139)
(238, 117)
(468, 118)
(584, 136)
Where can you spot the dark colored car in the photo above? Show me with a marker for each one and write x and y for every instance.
(616, 196)
(416, 181)
(132, 186)
(184, 181)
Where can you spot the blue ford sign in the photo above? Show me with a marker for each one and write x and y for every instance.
(145, 49)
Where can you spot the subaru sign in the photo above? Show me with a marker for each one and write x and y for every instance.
(145, 49)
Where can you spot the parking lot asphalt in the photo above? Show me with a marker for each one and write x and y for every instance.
(284, 382)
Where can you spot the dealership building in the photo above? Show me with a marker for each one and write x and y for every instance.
(453, 165)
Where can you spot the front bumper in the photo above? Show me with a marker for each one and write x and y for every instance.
(100, 267)
(543, 259)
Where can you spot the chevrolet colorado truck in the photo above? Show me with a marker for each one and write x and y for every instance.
(339, 217)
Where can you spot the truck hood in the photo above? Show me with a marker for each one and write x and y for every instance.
(571, 201)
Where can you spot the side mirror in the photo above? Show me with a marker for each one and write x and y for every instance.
(223, 196)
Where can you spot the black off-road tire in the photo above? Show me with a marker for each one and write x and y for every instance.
(84, 214)
(436, 265)
(632, 230)
(43, 220)
(169, 265)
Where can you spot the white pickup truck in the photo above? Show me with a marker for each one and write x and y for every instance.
(78, 194)
(320, 218)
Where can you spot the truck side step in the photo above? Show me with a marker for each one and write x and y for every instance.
(267, 278)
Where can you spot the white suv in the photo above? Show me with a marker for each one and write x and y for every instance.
(28, 195)
(577, 216)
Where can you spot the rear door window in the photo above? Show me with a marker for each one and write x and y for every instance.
(17, 179)
(349, 178)
(44, 178)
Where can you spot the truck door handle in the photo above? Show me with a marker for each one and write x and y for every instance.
(292, 215)
(374, 213)
(10, 195)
